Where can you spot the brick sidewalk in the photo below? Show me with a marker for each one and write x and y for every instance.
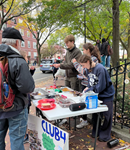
(79, 139)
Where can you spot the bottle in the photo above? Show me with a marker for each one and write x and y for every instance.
(6, 89)
(112, 143)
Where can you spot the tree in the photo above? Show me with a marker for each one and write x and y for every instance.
(14, 8)
(58, 37)
(125, 27)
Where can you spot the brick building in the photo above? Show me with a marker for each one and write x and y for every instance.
(29, 43)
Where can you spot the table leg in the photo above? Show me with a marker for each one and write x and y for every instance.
(96, 130)
(58, 123)
(69, 123)
(75, 123)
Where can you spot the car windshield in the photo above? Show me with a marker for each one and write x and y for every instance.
(47, 62)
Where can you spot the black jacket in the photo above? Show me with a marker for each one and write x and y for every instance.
(19, 76)
(104, 47)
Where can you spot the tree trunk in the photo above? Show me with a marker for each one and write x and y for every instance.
(115, 10)
(128, 52)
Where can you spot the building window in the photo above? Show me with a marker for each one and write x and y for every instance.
(33, 36)
(35, 54)
(29, 53)
(14, 20)
(29, 46)
(21, 31)
(22, 44)
(20, 20)
(28, 34)
(34, 45)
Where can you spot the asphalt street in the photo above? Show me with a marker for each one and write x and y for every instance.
(39, 76)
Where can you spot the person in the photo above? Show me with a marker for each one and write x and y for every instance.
(21, 83)
(35, 62)
(108, 58)
(32, 70)
(103, 51)
(71, 73)
(98, 44)
(94, 53)
(99, 81)
(54, 69)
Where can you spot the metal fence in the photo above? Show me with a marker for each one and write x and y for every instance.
(120, 78)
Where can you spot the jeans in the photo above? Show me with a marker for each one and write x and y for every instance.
(17, 128)
(103, 59)
(108, 61)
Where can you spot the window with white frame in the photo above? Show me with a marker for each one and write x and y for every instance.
(21, 31)
(34, 45)
(20, 20)
(33, 36)
(29, 53)
(22, 44)
(29, 45)
(28, 34)
(35, 54)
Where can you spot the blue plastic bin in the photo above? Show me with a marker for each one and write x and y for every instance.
(91, 100)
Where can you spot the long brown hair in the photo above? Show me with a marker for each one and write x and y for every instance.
(94, 51)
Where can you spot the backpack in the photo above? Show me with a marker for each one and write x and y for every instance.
(6, 93)
(109, 50)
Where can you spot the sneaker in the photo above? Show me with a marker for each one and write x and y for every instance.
(26, 140)
(82, 124)
(62, 122)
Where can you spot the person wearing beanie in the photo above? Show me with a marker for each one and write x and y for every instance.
(22, 83)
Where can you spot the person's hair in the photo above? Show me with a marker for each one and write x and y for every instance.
(23, 53)
(94, 51)
(9, 41)
(69, 38)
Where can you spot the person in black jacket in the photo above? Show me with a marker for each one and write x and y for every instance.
(22, 83)
(103, 52)
(32, 70)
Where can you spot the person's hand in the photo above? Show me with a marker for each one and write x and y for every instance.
(56, 65)
(85, 89)
(32, 68)
(73, 60)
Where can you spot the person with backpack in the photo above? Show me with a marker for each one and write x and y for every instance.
(103, 51)
(16, 84)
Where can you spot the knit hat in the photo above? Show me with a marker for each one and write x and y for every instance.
(11, 33)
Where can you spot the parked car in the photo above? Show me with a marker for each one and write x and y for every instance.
(46, 64)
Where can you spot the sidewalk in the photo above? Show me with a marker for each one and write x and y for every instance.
(81, 138)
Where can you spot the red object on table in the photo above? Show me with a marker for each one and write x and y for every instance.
(63, 96)
(46, 108)
(51, 101)
(54, 86)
